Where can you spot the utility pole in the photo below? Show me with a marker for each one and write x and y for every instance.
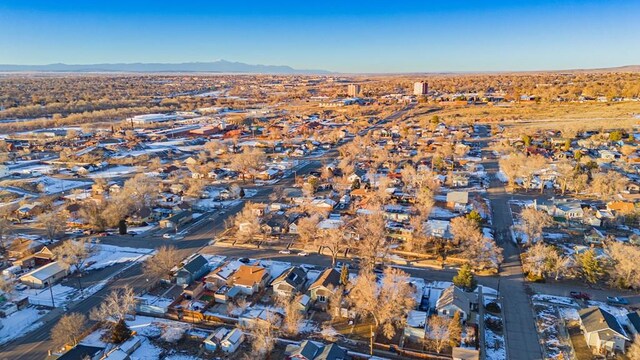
(53, 304)
(371, 334)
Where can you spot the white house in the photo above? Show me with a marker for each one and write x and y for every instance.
(232, 341)
(44, 276)
(454, 299)
(602, 331)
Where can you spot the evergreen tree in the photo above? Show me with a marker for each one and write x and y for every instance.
(465, 278)
(590, 266)
(120, 332)
(475, 216)
(122, 227)
(344, 275)
(455, 330)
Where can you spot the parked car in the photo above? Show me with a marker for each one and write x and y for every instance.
(167, 236)
(617, 300)
(303, 253)
(285, 251)
(21, 287)
(580, 295)
(244, 260)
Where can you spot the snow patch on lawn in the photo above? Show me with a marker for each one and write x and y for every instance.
(19, 323)
(108, 255)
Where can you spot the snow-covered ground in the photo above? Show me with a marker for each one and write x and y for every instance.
(61, 295)
(438, 212)
(19, 323)
(50, 185)
(495, 345)
(115, 172)
(108, 255)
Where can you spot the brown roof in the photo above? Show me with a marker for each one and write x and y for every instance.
(249, 275)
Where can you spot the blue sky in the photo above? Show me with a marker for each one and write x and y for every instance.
(353, 36)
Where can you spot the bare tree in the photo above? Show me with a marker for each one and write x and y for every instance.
(530, 167)
(161, 263)
(115, 306)
(74, 253)
(308, 229)
(565, 170)
(6, 286)
(439, 334)
(387, 303)
(371, 242)
(248, 161)
(69, 329)
(463, 228)
(54, 222)
(5, 228)
(512, 166)
(263, 335)
(481, 252)
(633, 352)
(624, 272)
(533, 222)
(608, 184)
(247, 224)
(292, 315)
(334, 241)
(537, 259)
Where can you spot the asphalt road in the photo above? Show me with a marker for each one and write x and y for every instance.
(37, 343)
(521, 334)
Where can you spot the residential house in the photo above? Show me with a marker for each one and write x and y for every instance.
(44, 276)
(43, 257)
(311, 350)
(83, 352)
(438, 229)
(459, 353)
(192, 270)
(275, 223)
(622, 207)
(321, 289)
(179, 219)
(416, 325)
(250, 279)
(290, 282)
(602, 331)
(458, 200)
(453, 299)
(459, 180)
(323, 204)
(569, 210)
(232, 341)
(633, 323)
(213, 341)
(221, 275)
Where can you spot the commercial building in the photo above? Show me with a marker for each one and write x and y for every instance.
(353, 90)
(420, 88)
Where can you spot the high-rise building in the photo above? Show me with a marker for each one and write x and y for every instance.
(353, 90)
(420, 88)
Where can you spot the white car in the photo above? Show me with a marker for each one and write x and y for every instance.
(167, 236)
(285, 251)
(303, 253)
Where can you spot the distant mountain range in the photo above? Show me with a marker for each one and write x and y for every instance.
(219, 66)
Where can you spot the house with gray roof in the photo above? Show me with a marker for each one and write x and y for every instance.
(290, 282)
(453, 299)
(195, 268)
(311, 350)
(602, 331)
